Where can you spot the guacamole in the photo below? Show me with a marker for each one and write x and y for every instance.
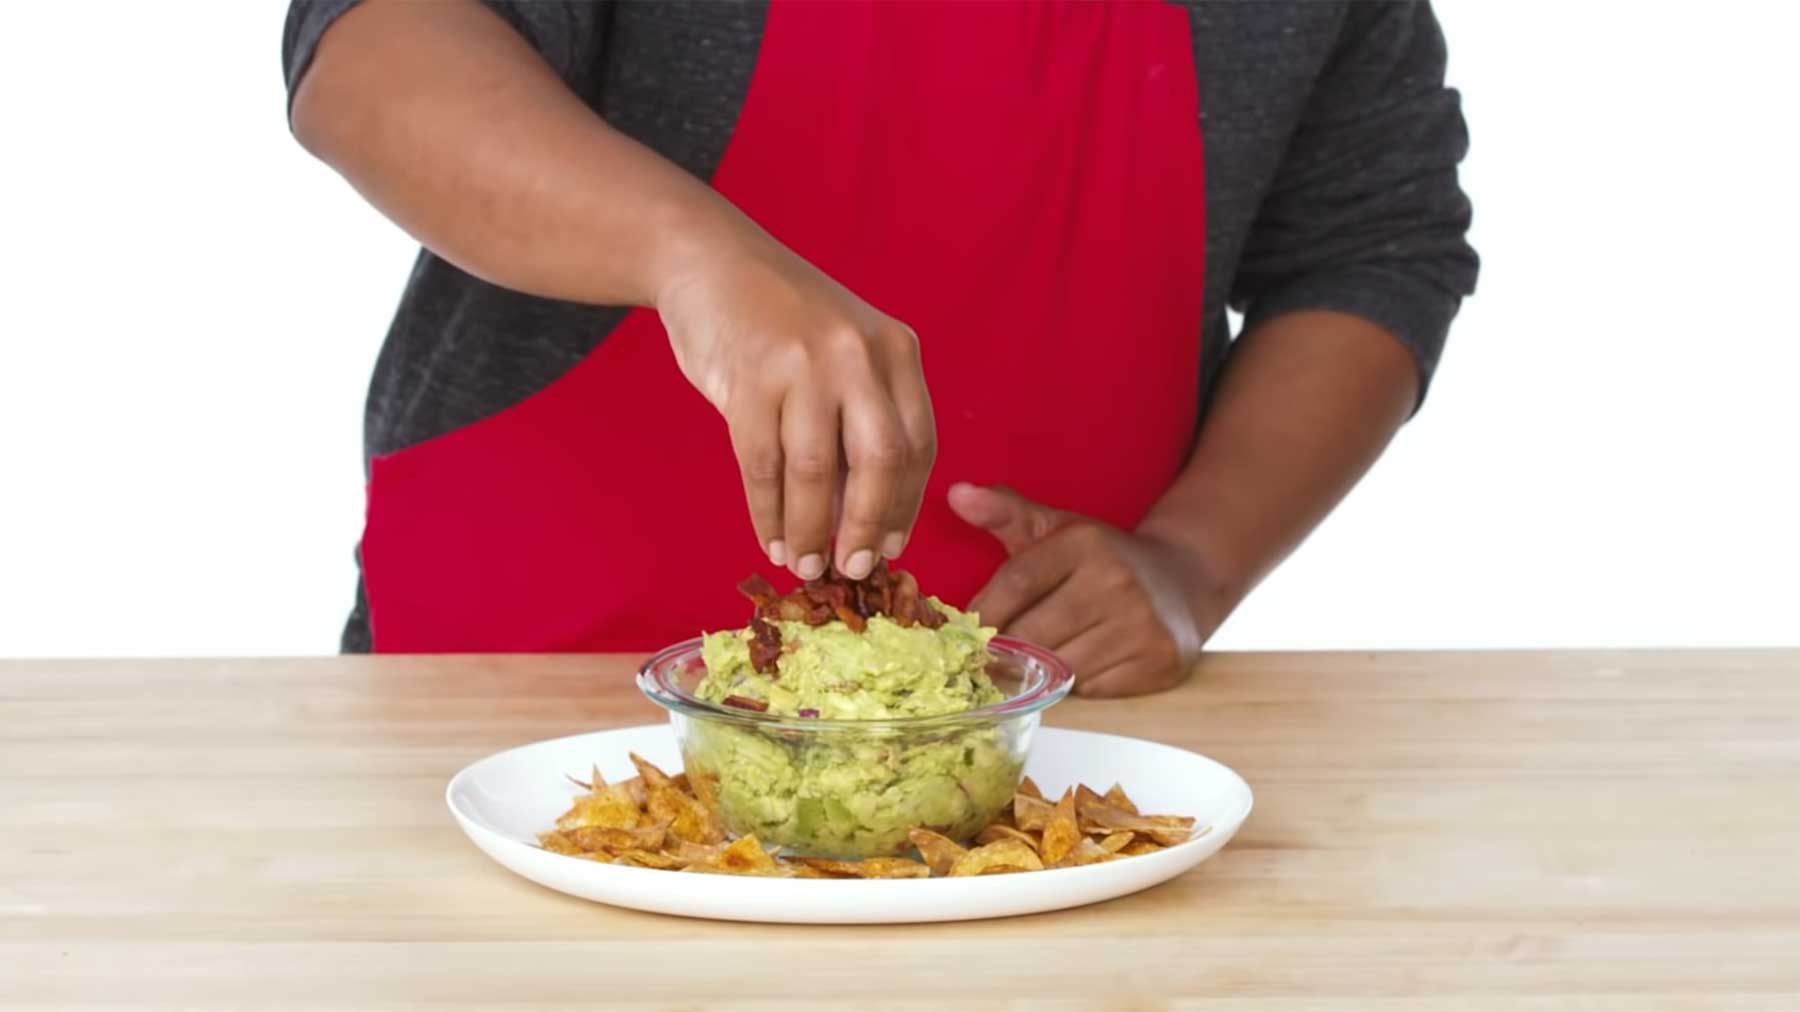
(836, 673)
(855, 793)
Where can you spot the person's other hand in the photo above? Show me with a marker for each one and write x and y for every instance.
(824, 397)
(1128, 613)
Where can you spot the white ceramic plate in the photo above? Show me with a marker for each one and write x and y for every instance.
(505, 800)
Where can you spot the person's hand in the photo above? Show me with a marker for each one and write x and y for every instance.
(824, 397)
(1127, 612)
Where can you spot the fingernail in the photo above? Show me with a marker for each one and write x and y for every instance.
(859, 564)
(892, 544)
(812, 567)
(778, 552)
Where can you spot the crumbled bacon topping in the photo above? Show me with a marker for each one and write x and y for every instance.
(745, 703)
(765, 646)
(884, 591)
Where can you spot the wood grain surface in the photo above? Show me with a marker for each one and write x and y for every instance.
(1452, 831)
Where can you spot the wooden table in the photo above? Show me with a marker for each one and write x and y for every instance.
(1480, 831)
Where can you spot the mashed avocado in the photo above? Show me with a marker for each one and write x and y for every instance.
(887, 670)
(855, 794)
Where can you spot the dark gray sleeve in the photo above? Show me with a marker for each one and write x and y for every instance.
(566, 33)
(1365, 215)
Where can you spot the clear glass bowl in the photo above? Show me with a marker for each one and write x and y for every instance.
(852, 788)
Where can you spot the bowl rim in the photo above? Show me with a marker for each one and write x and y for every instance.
(1051, 687)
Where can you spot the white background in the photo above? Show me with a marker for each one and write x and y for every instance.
(1609, 456)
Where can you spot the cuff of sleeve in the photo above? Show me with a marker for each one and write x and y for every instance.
(1415, 311)
(306, 25)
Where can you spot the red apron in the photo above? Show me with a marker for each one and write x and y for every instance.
(1020, 182)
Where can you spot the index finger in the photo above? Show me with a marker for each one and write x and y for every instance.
(912, 402)
(756, 439)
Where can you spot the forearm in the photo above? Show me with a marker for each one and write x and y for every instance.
(1306, 404)
(447, 121)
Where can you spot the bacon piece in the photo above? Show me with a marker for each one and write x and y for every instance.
(745, 703)
(757, 589)
(765, 647)
(850, 618)
(884, 591)
(833, 595)
(789, 609)
(910, 607)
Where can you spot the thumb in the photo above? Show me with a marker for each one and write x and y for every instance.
(1007, 515)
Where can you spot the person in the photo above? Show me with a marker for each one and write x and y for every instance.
(935, 282)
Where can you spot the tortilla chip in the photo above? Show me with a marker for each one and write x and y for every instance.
(1137, 847)
(868, 867)
(1103, 818)
(939, 851)
(640, 859)
(1087, 852)
(635, 788)
(556, 842)
(689, 852)
(607, 806)
(1116, 797)
(1085, 797)
(1060, 833)
(1162, 836)
(997, 831)
(824, 867)
(1115, 842)
(773, 871)
(705, 787)
(992, 858)
(609, 838)
(1167, 835)
(893, 867)
(653, 777)
(687, 818)
(682, 784)
(1030, 789)
(802, 871)
(744, 856)
(1031, 813)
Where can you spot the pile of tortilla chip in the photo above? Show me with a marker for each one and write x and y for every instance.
(1082, 827)
(655, 820)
